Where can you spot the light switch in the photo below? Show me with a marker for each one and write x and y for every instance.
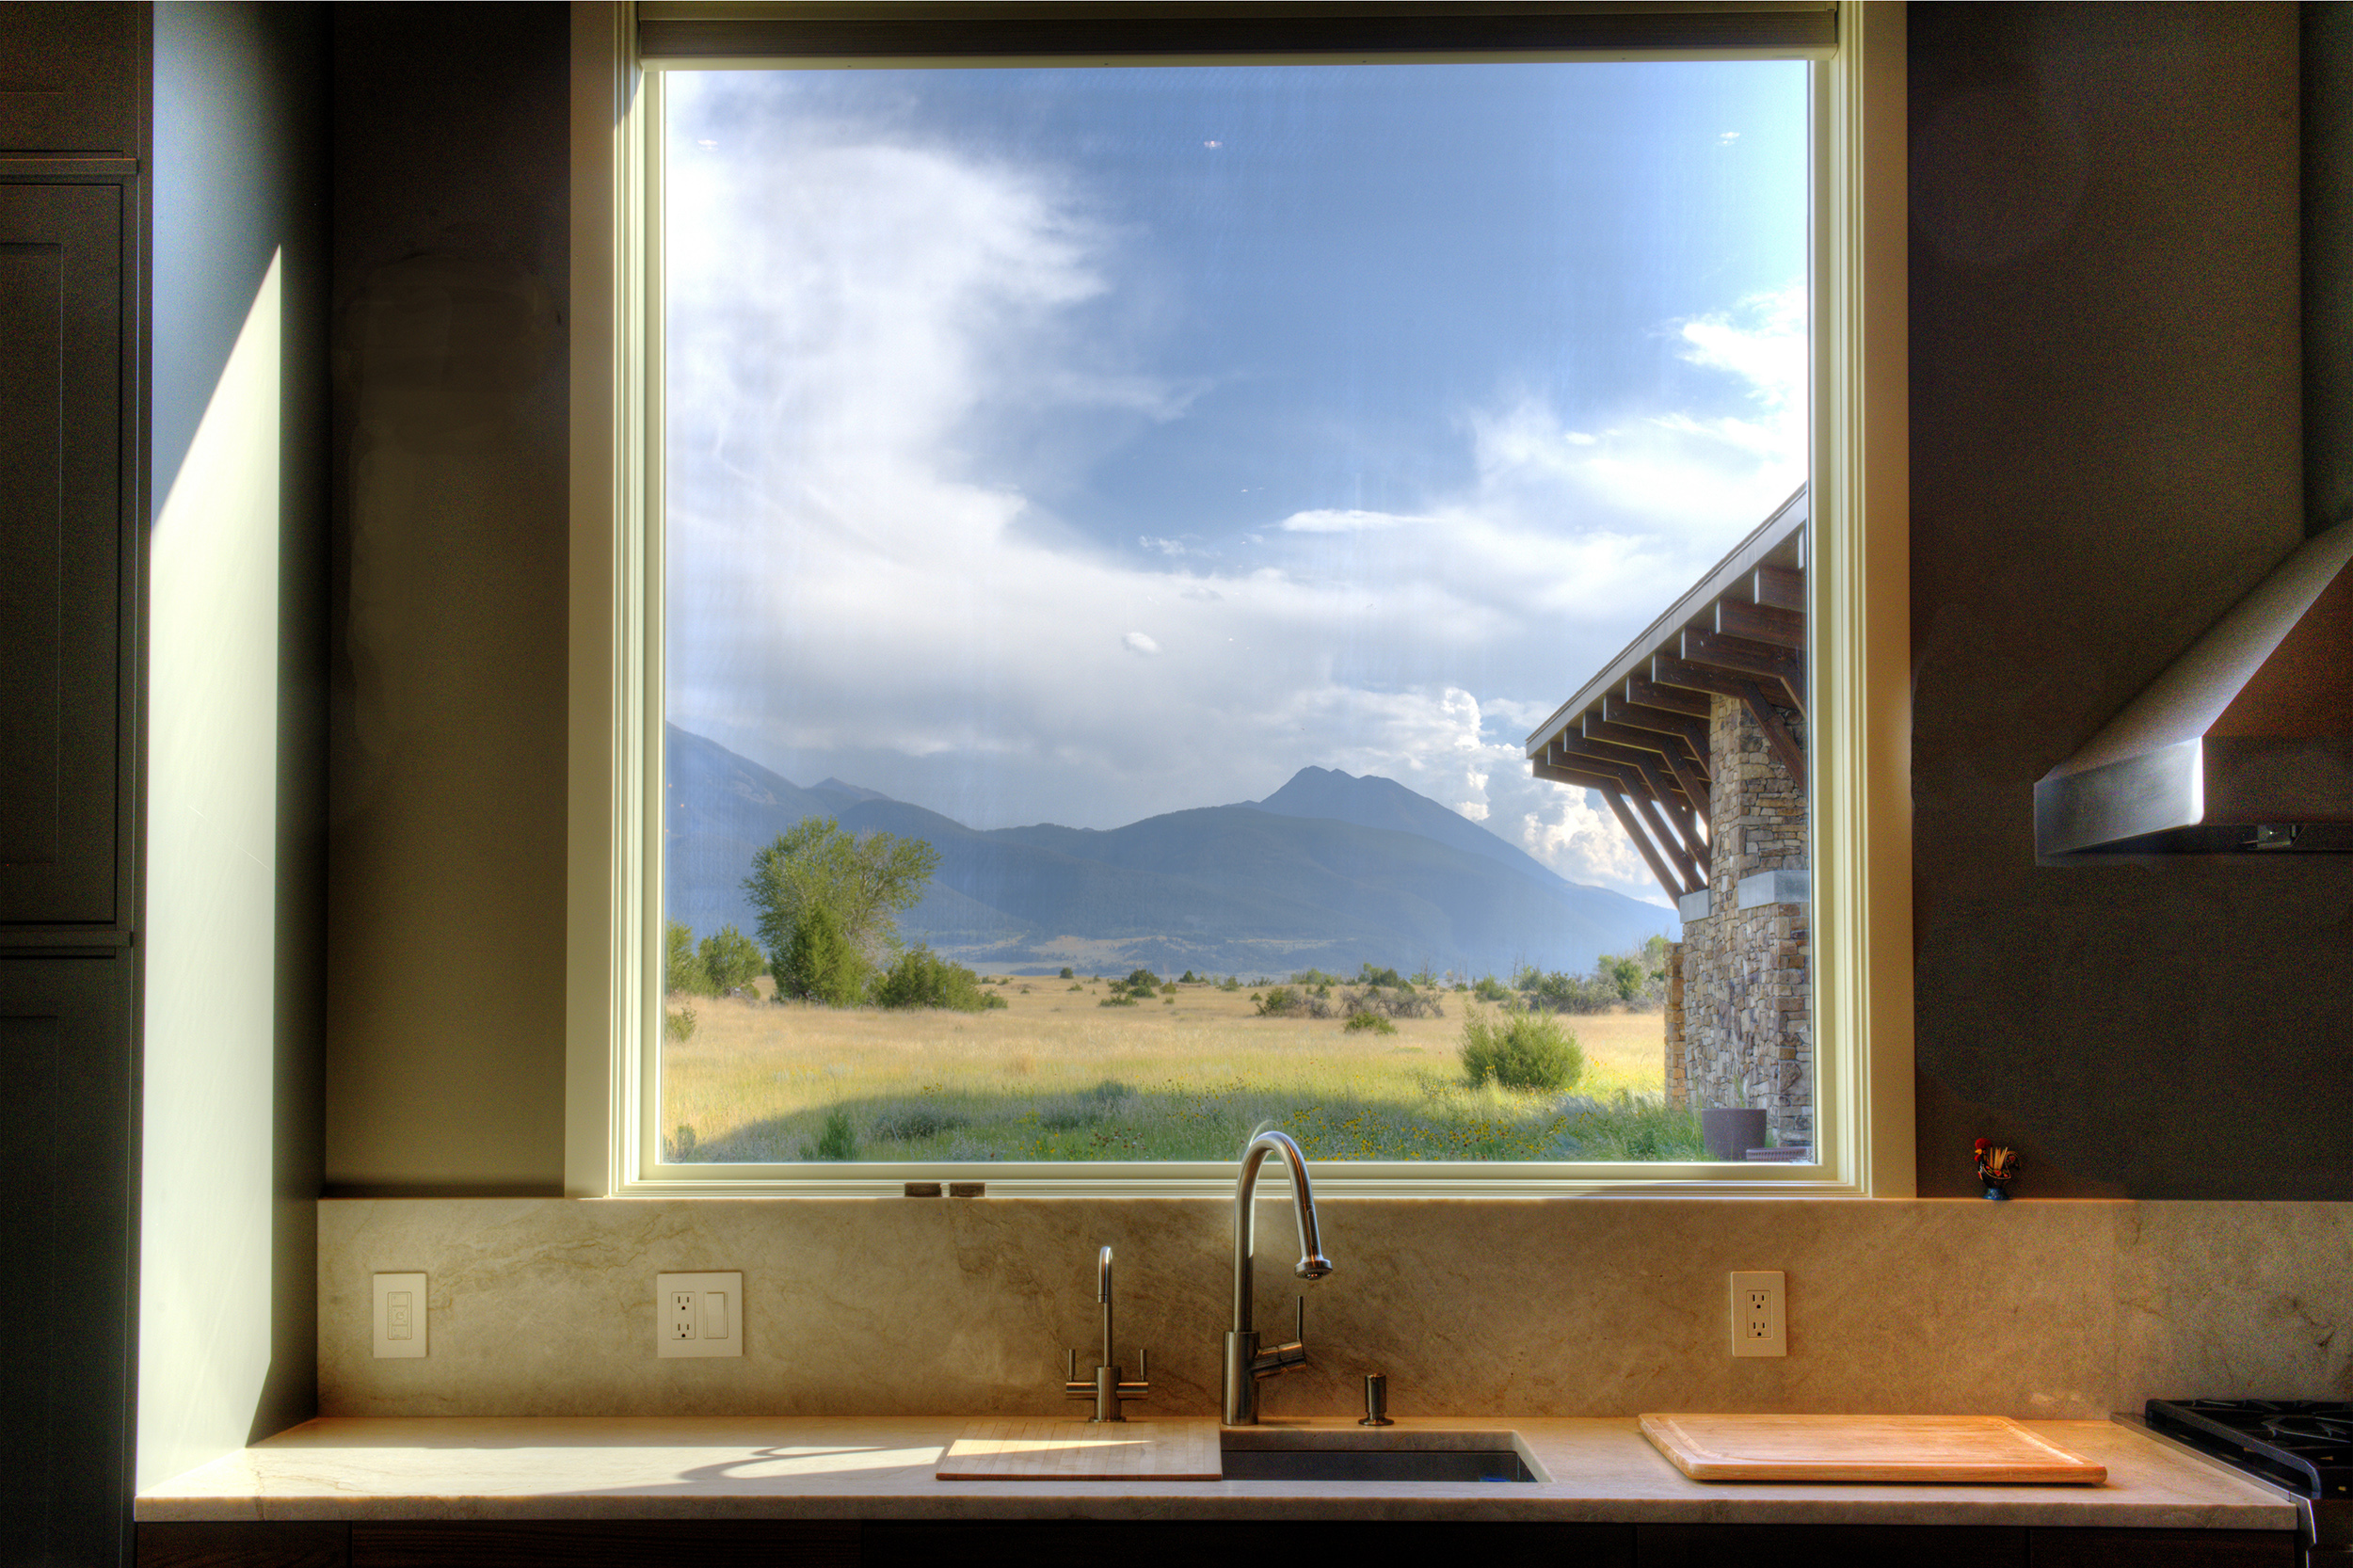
(698, 1315)
(400, 1315)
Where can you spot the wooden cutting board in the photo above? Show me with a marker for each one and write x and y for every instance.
(1038, 1448)
(1982, 1448)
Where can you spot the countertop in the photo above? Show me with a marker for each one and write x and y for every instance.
(880, 1468)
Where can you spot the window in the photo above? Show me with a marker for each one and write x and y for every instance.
(1066, 399)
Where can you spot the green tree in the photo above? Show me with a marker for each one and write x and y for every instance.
(864, 882)
(682, 970)
(819, 962)
(731, 961)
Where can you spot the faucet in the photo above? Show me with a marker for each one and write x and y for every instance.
(1109, 1385)
(1246, 1363)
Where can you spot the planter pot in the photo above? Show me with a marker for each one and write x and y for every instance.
(1731, 1134)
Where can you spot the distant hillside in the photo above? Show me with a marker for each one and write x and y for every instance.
(1254, 889)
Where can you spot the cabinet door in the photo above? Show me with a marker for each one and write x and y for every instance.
(65, 1259)
(66, 79)
(62, 513)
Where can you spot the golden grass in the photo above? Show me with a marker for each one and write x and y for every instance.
(1054, 1075)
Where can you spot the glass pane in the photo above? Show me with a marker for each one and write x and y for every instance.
(1122, 527)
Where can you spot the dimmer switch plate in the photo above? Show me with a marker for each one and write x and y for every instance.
(698, 1315)
(1760, 1313)
(399, 1315)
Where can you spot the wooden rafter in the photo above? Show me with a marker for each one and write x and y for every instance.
(1779, 586)
(1649, 792)
(1760, 623)
(1683, 760)
(1635, 716)
(1610, 791)
(1733, 684)
(1673, 699)
(1777, 736)
(1758, 661)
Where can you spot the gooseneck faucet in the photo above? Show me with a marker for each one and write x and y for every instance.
(1110, 1384)
(1246, 1363)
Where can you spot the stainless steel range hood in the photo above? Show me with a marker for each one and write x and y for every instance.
(2244, 744)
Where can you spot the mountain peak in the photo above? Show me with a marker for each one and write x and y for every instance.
(1372, 801)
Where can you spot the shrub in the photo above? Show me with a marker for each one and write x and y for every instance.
(820, 964)
(731, 961)
(1406, 1004)
(683, 1145)
(1142, 979)
(1363, 1020)
(1283, 1001)
(1076, 987)
(1186, 979)
(1367, 975)
(1520, 1050)
(1118, 998)
(838, 1141)
(922, 978)
(1231, 983)
(1315, 977)
(1491, 989)
(1066, 974)
(679, 1025)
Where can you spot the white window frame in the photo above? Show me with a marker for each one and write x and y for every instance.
(1860, 661)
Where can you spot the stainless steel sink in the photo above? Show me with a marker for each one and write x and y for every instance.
(1272, 1454)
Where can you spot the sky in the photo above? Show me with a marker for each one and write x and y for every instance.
(1076, 445)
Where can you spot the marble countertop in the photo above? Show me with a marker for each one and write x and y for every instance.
(880, 1468)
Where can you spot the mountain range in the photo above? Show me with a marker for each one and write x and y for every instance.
(1330, 871)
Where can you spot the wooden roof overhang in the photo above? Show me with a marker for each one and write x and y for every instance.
(1637, 733)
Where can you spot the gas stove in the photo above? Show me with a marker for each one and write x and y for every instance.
(2303, 1446)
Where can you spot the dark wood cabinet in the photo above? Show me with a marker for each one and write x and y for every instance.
(69, 80)
(1181, 1543)
(66, 1239)
(65, 503)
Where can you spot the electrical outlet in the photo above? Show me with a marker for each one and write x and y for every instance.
(699, 1315)
(1760, 1316)
(399, 1315)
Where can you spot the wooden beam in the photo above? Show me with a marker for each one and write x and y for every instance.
(1780, 587)
(1761, 623)
(1690, 771)
(1637, 715)
(1666, 671)
(1644, 758)
(1762, 660)
(1609, 791)
(1777, 736)
(1674, 699)
(1646, 790)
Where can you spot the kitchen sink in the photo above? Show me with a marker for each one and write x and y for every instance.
(1417, 1456)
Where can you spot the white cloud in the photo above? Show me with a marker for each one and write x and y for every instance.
(1341, 522)
(855, 585)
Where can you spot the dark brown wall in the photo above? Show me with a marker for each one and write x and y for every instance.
(445, 964)
(2104, 455)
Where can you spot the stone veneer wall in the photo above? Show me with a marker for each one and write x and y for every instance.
(1739, 1024)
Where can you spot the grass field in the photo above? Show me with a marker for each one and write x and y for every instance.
(1055, 1075)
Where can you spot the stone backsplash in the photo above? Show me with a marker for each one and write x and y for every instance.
(1568, 1308)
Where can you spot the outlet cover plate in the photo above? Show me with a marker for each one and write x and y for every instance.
(399, 1315)
(1760, 1313)
(710, 1305)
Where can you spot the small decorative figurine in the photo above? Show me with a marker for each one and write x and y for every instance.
(1998, 1168)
